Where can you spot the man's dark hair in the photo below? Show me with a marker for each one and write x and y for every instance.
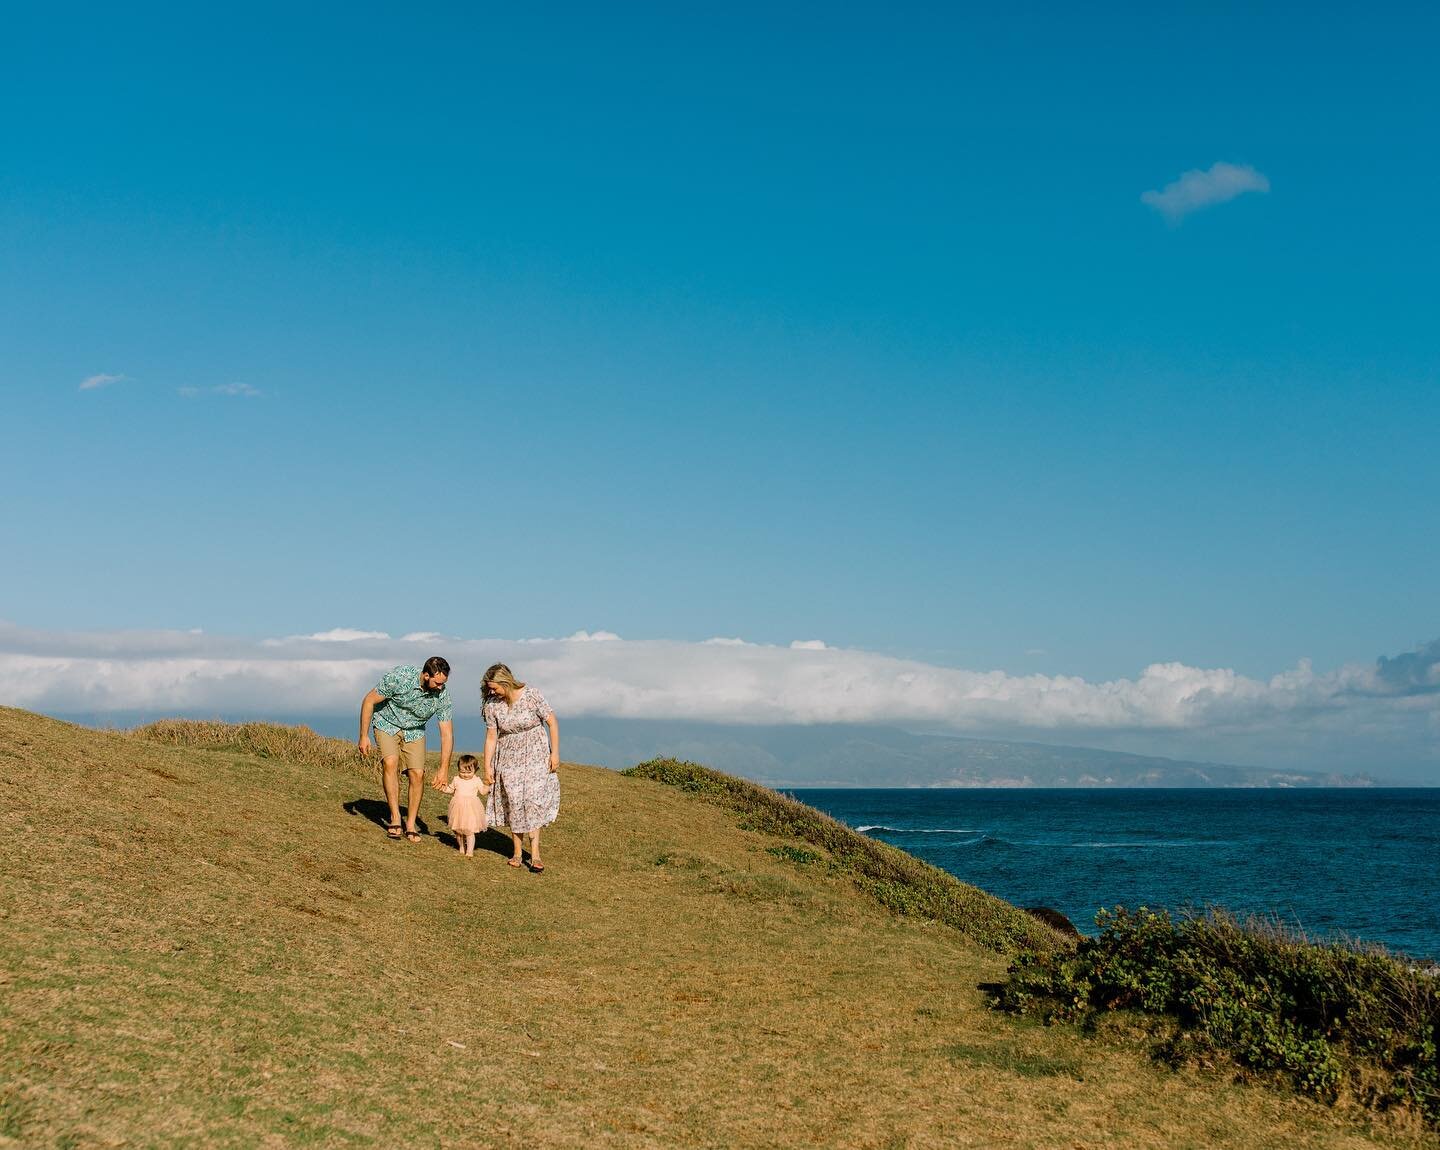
(436, 666)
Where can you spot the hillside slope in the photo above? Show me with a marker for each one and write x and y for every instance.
(205, 946)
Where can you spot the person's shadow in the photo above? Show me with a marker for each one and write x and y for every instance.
(378, 812)
(496, 842)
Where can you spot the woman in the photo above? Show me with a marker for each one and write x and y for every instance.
(520, 762)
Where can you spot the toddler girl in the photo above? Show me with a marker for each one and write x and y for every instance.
(467, 811)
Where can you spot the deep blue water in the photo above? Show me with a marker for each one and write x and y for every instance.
(1359, 863)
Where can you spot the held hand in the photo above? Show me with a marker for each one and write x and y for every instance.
(440, 782)
(364, 744)
(554, 763)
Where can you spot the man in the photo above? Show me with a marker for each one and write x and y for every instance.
(401, 704)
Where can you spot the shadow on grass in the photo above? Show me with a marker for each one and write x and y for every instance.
(495, 841)
(378, 813)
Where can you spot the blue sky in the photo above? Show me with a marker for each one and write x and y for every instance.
(780, 325)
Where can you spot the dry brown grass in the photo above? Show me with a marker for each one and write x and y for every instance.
(297, 746)
(203, 947)
(896, 880)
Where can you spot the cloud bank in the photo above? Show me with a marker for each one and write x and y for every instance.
(1196, 189)
(1390, 704)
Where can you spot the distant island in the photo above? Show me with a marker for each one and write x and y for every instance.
(844, 755)
(848, 755)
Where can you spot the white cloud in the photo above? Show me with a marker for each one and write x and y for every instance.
(1196, 189)
(420, 637)
(1300, 713)
(593, 637)
(719, 641)
(809, 645)
(91, 382)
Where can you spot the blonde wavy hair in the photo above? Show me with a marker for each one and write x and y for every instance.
(500, 676)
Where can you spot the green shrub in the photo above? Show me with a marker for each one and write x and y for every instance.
(798, 855)
(1320, 1014)
(896, 880)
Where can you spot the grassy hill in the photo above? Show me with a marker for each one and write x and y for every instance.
(209, 941)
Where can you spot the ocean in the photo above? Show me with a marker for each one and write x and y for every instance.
(1362, 864)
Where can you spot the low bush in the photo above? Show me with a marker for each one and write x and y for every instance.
(1328, 1017)
(896, 880)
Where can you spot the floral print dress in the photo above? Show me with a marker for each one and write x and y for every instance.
(526, 795)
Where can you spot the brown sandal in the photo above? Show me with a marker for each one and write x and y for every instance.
(393, 830)
(412, 836)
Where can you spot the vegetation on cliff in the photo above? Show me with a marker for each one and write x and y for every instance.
(1329, 1018)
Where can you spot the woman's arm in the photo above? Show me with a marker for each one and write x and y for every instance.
(490, 737)
(554, 725)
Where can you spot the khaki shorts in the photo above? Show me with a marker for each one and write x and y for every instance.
(391, 747)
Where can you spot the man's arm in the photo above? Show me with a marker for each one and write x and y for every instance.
(447, 744)
(367, 709)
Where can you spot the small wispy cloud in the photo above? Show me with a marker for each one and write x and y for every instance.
(243, 390)
(91, 382)
(1198, 189)
(334, 635)
(809, 645)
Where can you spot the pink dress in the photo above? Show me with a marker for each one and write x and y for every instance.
(467, 812)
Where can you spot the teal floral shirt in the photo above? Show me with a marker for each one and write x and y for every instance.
(408, 706)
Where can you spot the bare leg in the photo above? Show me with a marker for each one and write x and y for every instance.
(417, 789)
(469, 843)
(535, 848)
(391, 775)
(519, 842)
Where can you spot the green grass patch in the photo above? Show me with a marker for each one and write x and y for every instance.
(797, 855)
(1007, 1058)
(898, 881)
